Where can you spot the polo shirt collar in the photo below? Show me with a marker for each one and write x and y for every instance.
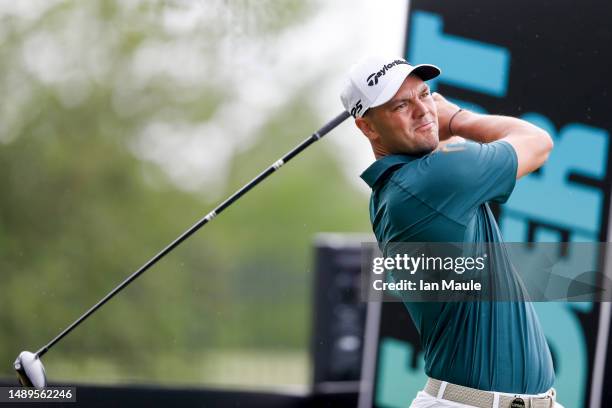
(378, 169)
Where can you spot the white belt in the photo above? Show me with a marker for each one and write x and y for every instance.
(487, 399)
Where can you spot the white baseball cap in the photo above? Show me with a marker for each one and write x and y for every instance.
(375, 79)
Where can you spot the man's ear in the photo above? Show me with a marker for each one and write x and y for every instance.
(367, 128)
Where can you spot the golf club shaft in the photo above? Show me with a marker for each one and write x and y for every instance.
(229, 201)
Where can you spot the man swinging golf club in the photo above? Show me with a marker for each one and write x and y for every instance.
(482, 354)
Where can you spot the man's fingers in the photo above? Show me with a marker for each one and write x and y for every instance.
(438, 99)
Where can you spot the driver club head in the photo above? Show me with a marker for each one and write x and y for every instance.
(30, 370)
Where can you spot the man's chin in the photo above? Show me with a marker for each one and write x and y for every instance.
(424, 148)
(428, 148)
(420, 151)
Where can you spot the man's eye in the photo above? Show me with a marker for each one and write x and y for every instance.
(400, 106)
(425, 94)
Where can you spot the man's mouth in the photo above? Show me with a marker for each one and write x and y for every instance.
(425, 126)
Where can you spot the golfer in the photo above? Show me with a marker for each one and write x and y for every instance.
(437, 167)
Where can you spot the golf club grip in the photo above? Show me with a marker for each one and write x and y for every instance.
(313, 138)
(329, 126)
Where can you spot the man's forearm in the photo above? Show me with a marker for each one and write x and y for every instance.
(488, 128)
(531, 144)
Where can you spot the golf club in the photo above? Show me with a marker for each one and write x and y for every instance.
(29, 367)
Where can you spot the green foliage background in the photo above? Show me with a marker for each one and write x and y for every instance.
(79, 210)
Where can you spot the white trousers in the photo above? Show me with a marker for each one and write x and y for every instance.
(424, 400)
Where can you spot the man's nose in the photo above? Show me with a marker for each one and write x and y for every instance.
(420, 109)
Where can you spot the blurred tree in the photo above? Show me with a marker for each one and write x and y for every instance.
(122, 123)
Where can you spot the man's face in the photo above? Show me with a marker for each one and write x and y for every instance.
(408, 123)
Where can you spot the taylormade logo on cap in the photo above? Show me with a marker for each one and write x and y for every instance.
(375, 80)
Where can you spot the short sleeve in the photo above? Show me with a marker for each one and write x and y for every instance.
(492, 176)
(462, 176)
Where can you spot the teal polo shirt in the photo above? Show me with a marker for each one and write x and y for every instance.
(443, 197)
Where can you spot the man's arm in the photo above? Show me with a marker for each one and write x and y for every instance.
(531, 144)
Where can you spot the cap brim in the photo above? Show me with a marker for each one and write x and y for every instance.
(426, 71)
(423, 71)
